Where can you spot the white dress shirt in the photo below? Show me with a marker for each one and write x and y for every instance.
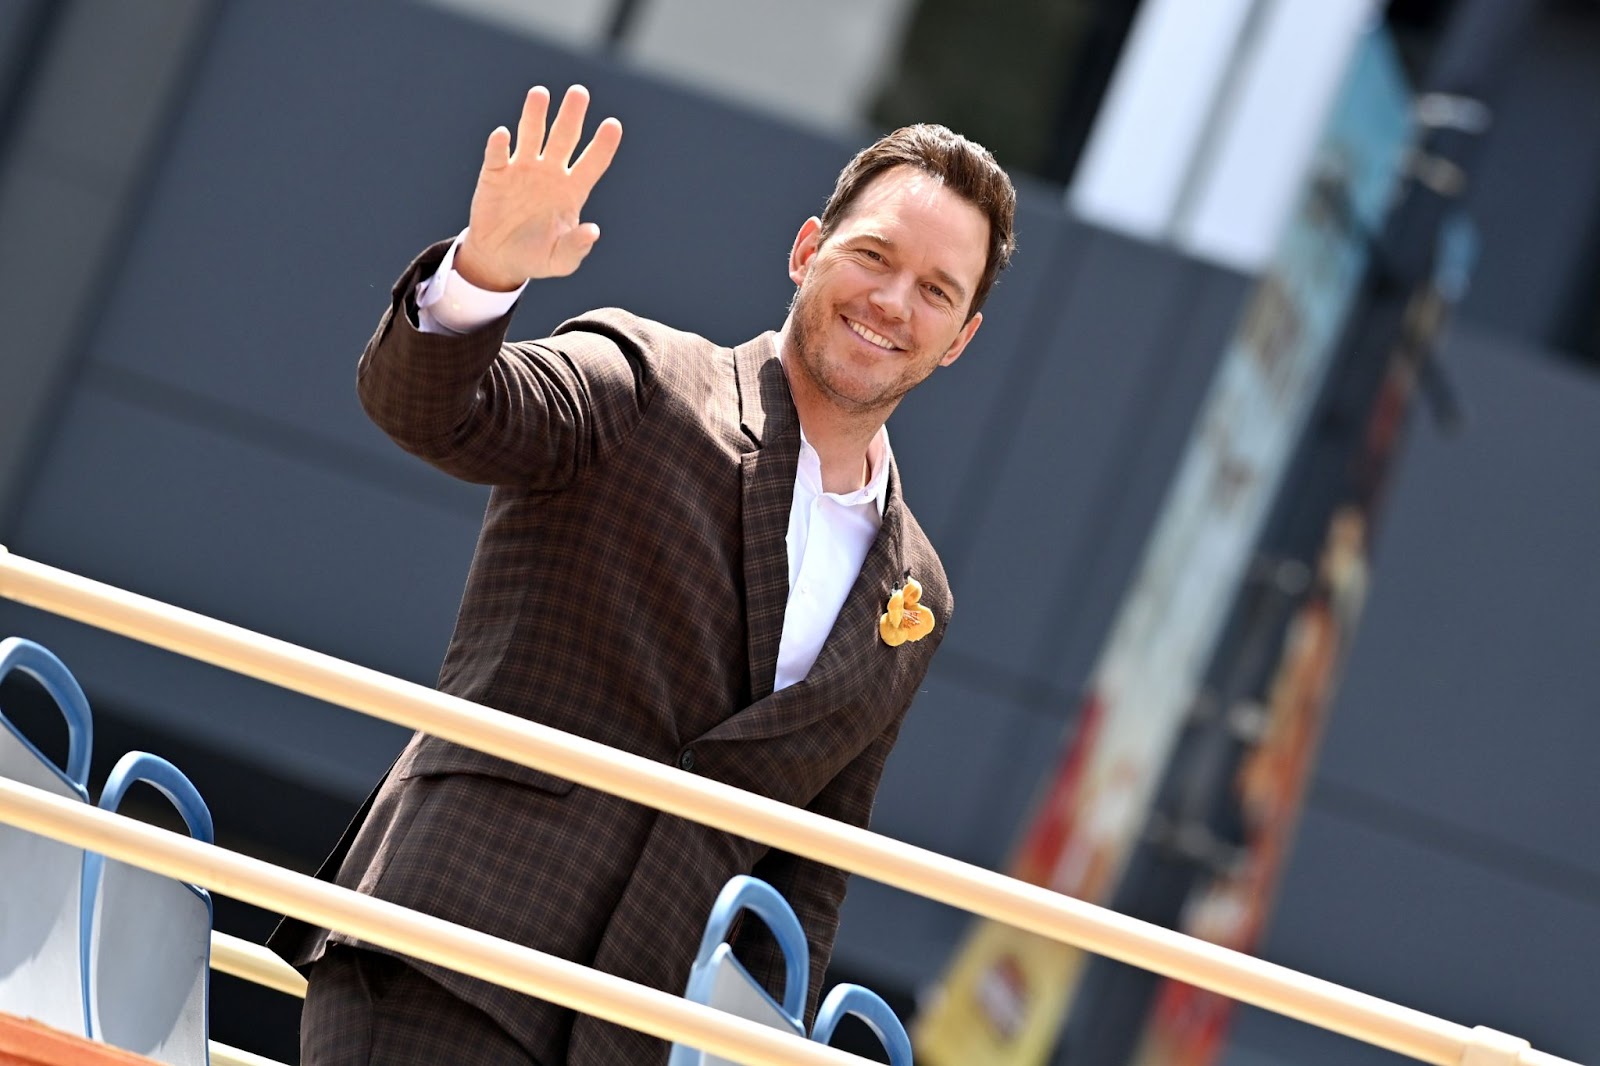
(829, 535)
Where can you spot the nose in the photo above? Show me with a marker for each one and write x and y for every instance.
(891, 297)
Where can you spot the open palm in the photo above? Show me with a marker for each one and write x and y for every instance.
(526, 211)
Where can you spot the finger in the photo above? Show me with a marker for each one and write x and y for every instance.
(568, 126)
(497, 152)
(580, 241)
(572, 248)
(596, 158)
(530, 128)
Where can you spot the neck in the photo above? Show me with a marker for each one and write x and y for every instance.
(845, 468)
(841, 438)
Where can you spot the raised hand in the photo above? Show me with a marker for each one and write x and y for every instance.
(525, 211)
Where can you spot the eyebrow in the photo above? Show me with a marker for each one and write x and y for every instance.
(943, 276)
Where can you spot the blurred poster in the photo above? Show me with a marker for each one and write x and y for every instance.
(1187, 1026)
(1006, 994)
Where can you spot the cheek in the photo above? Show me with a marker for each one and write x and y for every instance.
(944, 333)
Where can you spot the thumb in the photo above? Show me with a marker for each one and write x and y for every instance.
(573, 247)
(582, 239)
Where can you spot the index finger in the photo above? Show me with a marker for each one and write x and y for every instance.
(597, 157)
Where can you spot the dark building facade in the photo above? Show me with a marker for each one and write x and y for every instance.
(203, 206)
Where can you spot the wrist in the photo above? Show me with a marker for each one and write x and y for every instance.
(475, 272)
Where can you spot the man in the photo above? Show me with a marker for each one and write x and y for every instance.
(689, 553)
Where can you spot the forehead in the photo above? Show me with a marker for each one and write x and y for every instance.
(914, 210)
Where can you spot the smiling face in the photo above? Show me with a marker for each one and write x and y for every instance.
(883, 301)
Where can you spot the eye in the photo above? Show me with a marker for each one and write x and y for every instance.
(939, 294)
(870, 254)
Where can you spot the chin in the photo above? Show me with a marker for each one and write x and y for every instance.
(861, 396)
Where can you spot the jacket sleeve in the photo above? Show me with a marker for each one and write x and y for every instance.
(813, 889)
(531, 414)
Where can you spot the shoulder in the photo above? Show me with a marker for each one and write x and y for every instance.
(674, 358)
(627, 329)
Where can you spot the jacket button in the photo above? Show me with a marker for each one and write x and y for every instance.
(686, 759)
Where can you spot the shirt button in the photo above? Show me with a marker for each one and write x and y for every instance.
(686, 759)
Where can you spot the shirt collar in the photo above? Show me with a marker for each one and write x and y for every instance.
(879, 456)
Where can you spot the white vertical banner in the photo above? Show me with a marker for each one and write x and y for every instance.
(1210, 122)
(1156, 112)
(1247, 178)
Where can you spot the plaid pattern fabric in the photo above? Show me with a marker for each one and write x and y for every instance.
(628, 586)
(365, 1009)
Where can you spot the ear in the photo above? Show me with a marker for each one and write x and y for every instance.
(959, 345)
(806, 243)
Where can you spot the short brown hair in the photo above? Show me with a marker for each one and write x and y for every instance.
(966, 169)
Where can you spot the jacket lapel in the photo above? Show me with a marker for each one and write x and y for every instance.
(856, 685)
(852, 649)
(767, 416)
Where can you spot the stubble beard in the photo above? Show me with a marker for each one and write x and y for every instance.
(808, 323)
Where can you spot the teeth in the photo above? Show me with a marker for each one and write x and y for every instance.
(875, 338)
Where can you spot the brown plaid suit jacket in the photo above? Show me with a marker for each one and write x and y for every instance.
(628, 586)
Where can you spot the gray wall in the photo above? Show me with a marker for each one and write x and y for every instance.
(212, 412)
(204, 446)
(1447, 859)
(1537, 194)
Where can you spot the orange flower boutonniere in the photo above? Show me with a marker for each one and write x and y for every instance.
(907, 618)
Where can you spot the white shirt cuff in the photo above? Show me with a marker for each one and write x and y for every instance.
(449, 303)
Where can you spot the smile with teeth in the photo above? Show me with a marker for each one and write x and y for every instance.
(870, 337)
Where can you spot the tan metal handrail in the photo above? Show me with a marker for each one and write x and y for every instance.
(254, 963)
(917, 870)
(223, 1055)
(420, 936)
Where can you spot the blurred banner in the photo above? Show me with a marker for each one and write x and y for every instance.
(1187, 1025)
(1006, 994)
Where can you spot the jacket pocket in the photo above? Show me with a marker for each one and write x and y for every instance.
(432, 757)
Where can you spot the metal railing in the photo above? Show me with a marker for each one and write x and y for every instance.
(254, 963)
(917, 870)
